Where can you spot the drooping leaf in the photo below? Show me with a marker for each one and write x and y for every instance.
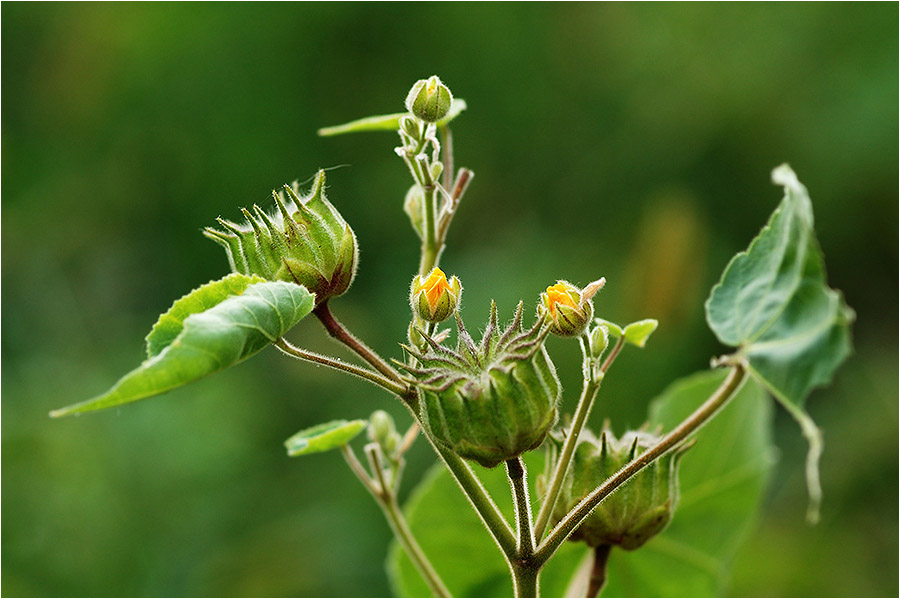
(722, 479)
(387, 122)
(212, 340)
(459, 547)
(773, 304)
(199, 300)
(324, 437)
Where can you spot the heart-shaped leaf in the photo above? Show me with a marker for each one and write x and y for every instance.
(721, 483)
(208, 330)
(774, 305)
(324, 437)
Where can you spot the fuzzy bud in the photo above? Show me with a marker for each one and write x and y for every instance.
(633, 514)
(383, 432)
(492, 401)
(568, 309)
(433, 298)
(306, 242)
(429, 99)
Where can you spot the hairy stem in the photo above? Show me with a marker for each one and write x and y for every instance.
(515, 470)
(688, 426)
(525, 581)
(373, 377)
(582, 412)
(387, 501)
(598, 571)
(475, 492)
(340, 332)
(401, 529)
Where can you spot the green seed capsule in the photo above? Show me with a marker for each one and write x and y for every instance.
(306, 242)
(637, 511)
(491, 402)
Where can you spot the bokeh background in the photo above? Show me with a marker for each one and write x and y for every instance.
(631, 141)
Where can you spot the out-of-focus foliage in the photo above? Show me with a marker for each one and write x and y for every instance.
(628, 141)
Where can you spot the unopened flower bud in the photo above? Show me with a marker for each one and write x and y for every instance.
(411, 126)
(640, 509)
(491, 401)
(413, 205)
(436, 169)
(383, 432)
(599, 340)
(433, 298)
(429, 99)
(306, 241)
(568, 309)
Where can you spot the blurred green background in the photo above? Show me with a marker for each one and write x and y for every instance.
(631, 141)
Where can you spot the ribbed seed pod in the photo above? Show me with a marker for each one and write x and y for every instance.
(637, 511)
(493, 401)
(306, 241)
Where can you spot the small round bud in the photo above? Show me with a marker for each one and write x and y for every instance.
(306, 241)
(599, 340)
(383, 432)
(411, 126)
(433, 298)
(436, 169)
(429, 99)
(568, 309)
(413, 205)
(635, 513)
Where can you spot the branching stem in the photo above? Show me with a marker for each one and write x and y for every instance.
(582, 412)
(688, 426)
(340, 332)
(373, 377)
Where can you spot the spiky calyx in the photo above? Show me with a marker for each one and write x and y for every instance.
(306, 241)
(637, 511)
(489, 402)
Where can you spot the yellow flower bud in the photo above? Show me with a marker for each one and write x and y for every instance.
(434, 298)
(568, 309)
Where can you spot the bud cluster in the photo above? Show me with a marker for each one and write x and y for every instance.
(306, 242)
(489, 402)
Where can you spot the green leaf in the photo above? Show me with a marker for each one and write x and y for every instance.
(638, 332)
(774, 305)
(612, 328)
(324, 437)
(387, 122)
(722, 479)
(170, 324)
(460, 548)
(209, 340)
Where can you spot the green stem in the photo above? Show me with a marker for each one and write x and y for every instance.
(688, 426)
(387, 501)
(413, 550)
(474, 491)
(515, 470)
(339, 332)
(598, 571)
(525, 581)
(373, 377)
(585, 403)
(582, 412)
